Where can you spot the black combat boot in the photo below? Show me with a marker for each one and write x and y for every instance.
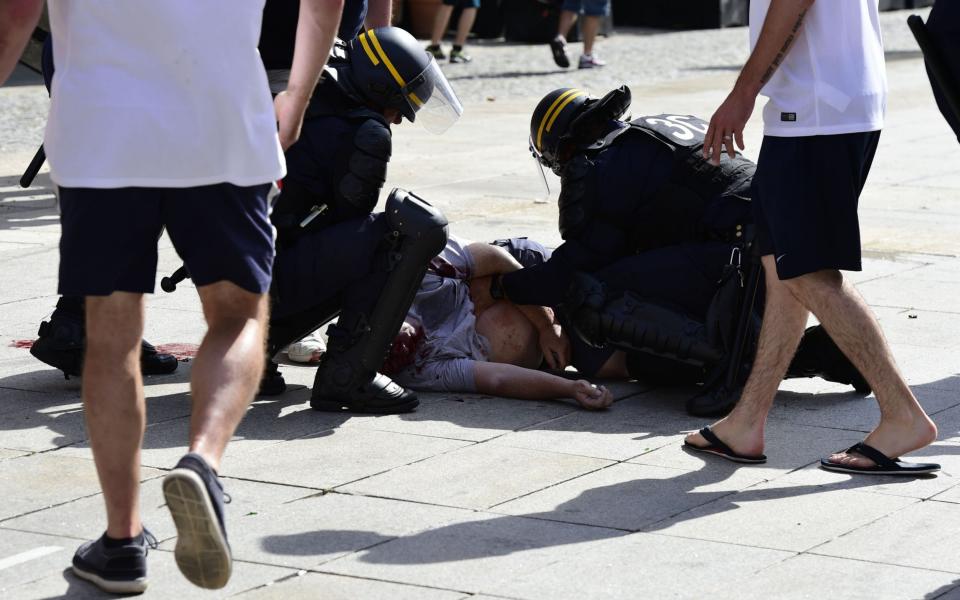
(272, 383)
(342, 382)
(60, 343)
(374, 310)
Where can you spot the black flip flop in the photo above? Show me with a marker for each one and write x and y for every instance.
(718, 448)
(884, 464)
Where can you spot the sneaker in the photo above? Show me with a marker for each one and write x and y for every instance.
(559, 48)
(195, 498)
(308, 350)
(589, 61)
(436, 51)
(458, 56)
(117, 566)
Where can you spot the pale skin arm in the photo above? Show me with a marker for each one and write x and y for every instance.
(17, 20)
(379, 14)
(511, 381)
(780, 29)
(316, 30)
(490, 260)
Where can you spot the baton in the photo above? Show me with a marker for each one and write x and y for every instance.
(33, 168)
(938, 66)
(169, 284)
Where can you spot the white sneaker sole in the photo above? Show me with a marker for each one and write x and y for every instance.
(135, 586)
(202, 552)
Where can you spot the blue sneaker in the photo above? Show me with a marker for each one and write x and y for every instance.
(117, 566)
(195, 498)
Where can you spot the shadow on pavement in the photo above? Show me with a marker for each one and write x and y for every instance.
(666, 502)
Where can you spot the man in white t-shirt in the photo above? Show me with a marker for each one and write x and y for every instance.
(822, 67)
(161, 117)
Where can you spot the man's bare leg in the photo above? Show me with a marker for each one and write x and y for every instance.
(589, 27)
(567, 19)
(784, 320)
(904, 426)
(114, 406)
(440, 23)
(229, 364)
(467, 17)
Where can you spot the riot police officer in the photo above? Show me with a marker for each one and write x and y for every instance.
(642, 213)
(335, 257)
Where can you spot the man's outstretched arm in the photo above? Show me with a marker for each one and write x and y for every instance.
(316, 30)
(780, 29)
(17, 20)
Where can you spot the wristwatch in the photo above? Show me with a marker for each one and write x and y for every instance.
(496, 287)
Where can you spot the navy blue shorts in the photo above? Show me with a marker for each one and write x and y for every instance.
(805, 196)
(463, 3)
(109, 238)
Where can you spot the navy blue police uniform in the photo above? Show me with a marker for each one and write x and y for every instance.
(642, 217)
(335, 256)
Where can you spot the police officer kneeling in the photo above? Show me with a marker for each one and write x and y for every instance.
(652, 233)
(334, 255)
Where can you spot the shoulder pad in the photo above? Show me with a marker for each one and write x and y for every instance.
(575, 203)
(366, 167)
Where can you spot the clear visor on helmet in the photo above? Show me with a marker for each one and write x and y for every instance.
(540, 162)
(432, 99)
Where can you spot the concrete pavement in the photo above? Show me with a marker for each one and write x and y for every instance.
(478, 497)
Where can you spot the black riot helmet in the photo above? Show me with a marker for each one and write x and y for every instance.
(570, 118)
(388, 68)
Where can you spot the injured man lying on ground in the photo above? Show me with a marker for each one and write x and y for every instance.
(458, 338)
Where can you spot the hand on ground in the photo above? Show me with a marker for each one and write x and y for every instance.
(591, 397)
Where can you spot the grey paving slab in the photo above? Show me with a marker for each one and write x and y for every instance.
(814, 577)
(267, 422)
(784, 514)
(920, 535)
(83, 518)
(629, 496)
(523, 558)
(48, 479)
(471, 555)
(477, 476)
(309, 532)
(852, 411)
(336, 457)
(7, 453)
(470, 417)
(640, 566)
(27, 557)
(919, 294)
(631, 427)
(45, 427)
(165, 581)
(948, 423)
(334, 587)
(789, 447)
(921, 488)
(24, 372)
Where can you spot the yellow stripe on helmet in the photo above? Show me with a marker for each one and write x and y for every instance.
(416, 99)
(385, 59)
(555, 109)
(366, 48)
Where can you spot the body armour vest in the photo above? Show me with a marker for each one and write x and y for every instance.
(697, 202)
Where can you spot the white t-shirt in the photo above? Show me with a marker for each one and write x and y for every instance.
(160, 93)
(833, 79)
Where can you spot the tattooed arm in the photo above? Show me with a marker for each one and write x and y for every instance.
(780, 29)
